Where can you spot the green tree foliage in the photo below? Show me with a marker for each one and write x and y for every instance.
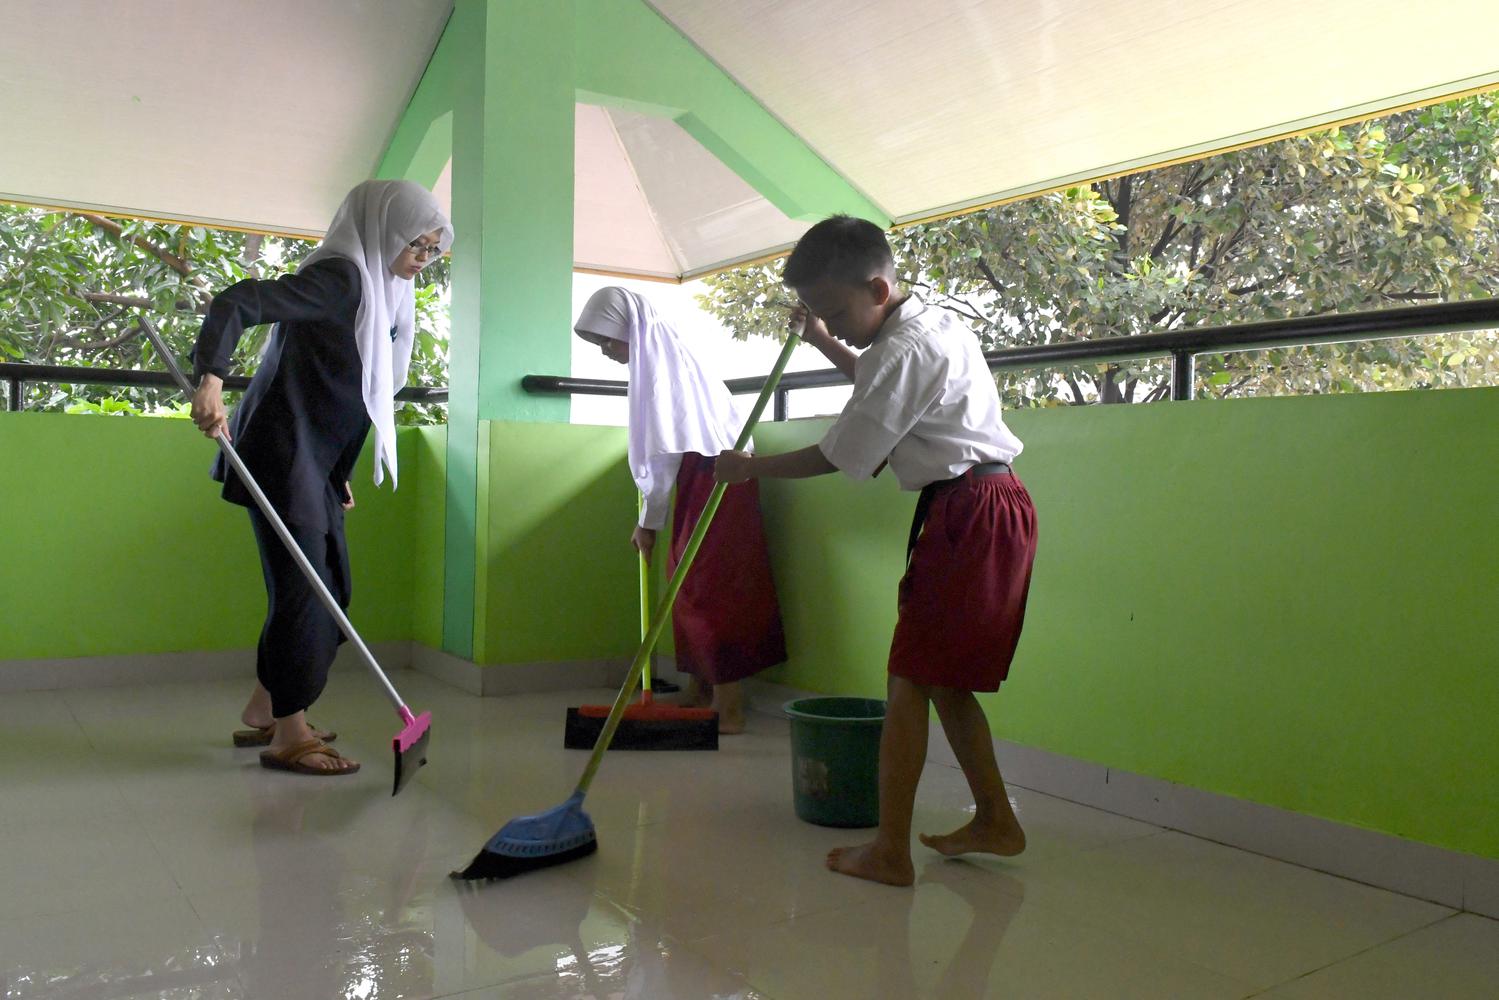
(67, 281)
(1392, 212)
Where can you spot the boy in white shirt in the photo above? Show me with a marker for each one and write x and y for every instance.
(925, 403)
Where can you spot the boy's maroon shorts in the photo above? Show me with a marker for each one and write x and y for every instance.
(962, 600)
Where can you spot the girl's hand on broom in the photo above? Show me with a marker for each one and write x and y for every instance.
(208, 408)
(644, 540)
(733, 466)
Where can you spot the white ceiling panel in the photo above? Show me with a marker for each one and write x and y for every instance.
(930, 105)
(258, 114)
(614, 228)
(707, 214)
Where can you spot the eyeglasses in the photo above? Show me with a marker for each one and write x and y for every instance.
(424, 251)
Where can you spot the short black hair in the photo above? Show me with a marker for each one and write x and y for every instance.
(842, 248)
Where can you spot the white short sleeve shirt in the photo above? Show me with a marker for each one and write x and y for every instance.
(924, 400)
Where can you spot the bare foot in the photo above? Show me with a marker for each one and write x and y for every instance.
(1004, 839)
(870, 861)
(698, 695)
(254, 723)
(728, 700)
(257, 713)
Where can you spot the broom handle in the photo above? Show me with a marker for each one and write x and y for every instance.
(646, 692)
(320, 588)
(663, 610)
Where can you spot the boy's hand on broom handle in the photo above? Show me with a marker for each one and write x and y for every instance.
(815, 332)
(644, 540)
(811, 329)
(737, 466)
(732, 466)
(208, 408)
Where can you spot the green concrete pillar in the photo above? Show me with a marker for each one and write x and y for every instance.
(512, 263)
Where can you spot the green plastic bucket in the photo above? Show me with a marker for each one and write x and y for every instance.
(835, 759)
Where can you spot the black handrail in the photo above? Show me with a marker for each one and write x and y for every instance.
(19, 373)
(1182, 346)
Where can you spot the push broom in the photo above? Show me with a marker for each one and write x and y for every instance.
(565, 832)
(646, 725)
(410, 744)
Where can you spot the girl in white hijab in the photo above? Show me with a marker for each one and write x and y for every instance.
(339, 350)
(727, 621)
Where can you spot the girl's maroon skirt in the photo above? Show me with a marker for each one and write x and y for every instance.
(727, 621)
(962, 600)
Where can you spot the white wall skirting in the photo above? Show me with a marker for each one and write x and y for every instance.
(500, 679)
(1451, 878)
(165, 668)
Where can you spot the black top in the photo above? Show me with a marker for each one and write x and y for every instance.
(302, 421)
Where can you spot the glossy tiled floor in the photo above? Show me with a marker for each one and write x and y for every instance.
(144, 858)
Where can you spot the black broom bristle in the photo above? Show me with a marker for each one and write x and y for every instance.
(411, 760)
(488, 865)
(582, 732)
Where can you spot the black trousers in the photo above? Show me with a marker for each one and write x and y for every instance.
(300, 637)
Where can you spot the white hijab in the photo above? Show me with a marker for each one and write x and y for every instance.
(677, 403)
(371, 228)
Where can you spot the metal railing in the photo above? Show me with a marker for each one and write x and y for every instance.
(1181, 346)
(18, 374)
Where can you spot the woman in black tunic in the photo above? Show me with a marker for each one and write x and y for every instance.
(340, 348)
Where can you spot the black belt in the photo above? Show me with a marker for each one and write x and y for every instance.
(930, 490)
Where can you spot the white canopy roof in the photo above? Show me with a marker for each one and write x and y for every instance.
(929, 106)
(260, 115)
(263, 114)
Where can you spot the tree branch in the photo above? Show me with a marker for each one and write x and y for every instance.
(1077, 391)
(990, 276)
(134, 301)
(118, 232)
(1260, 285)
(140, 302)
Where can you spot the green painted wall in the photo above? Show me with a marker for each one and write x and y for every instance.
(428, 475)
(560, 579)
(1285, 600)
(127, 548)
(116, 541)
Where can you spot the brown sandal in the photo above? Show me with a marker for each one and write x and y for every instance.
(259, 737)
(290, 759)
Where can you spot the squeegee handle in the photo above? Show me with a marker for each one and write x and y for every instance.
(318, 586)
(662, 610)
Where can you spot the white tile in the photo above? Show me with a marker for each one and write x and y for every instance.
(1251, 918)
(141, 849)
(955, 937)
(140, 948)
(79, 862)
(1456, 959)
(1053, 827)
(416, 933)
(1481, 886)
